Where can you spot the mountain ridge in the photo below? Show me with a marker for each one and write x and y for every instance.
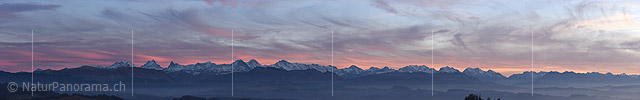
(347, 72)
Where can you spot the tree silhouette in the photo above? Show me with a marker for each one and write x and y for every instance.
(476, 97)
(473, 97)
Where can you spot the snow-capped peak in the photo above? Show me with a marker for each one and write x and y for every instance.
(373, 68)
(173, 65)
(448, 69)
(352, 70)
(151, 65)
(240, 66)
(473, 70)
(354, 67)
(120, 64)
(253, 63)
(416, 68)
(483, 75)
(283, 64)
(380, 71)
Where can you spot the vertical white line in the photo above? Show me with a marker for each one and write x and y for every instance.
(132, 62)
(232, 61)
(532, 62)
(32, 71)
(432, 71)
(332, 63)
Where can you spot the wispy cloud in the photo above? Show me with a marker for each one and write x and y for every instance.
(8, 10)
(582, 35)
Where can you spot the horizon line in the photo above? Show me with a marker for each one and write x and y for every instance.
(393, 68)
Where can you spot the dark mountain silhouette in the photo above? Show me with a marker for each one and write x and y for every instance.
(304, 81)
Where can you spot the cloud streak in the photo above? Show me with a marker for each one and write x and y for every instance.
(8, 10)
(568, 35)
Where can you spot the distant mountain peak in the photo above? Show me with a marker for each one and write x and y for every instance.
(239, 60)
(469, 68)
(173, 64)
(253, 63)
(416, 68)
(568, 72)
(38, 70)
(385, 69)
(491, 71)
(448, 69)
(283, 61)
(239, 66)
(351, 70)
(353, 67)
(151, 65)
(483, 75)
(609, 73)
(121, 64)
(526, 75)
(476, 70)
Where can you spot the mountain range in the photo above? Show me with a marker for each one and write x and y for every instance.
(349, 72)
(288, 80)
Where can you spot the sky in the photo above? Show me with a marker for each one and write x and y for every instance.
(507, 36)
